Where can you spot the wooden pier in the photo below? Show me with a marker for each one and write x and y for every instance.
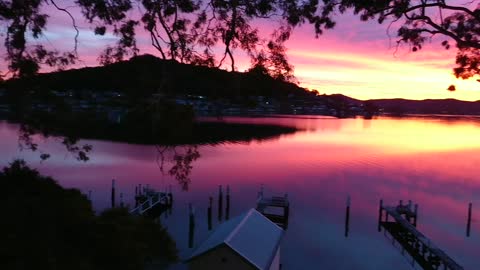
(403, 229)
(280, 204)
(151, 203)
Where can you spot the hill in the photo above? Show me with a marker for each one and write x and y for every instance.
(146, 74)
(428, 106)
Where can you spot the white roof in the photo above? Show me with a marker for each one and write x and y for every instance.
(251, 235)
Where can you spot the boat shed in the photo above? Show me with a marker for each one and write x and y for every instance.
(248, 241)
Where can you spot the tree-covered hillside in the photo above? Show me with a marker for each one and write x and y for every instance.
(147, 74)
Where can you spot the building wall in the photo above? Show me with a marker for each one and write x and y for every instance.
(220, 259)
(276, 261)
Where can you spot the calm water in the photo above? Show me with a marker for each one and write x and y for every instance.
(434, 162)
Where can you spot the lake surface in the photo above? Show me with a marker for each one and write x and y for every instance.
(434, 162)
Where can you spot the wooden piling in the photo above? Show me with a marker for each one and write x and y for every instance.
(227, 208)
(121, 199)
(90, 195)
(170, 197)
(209, 213)
(380, 215)
(220, 203)
(347, 217)
(137, 195)
(191, 227)
(286, 211)
(415, 211)
(113, 193)
(469, 219)
(410, 208)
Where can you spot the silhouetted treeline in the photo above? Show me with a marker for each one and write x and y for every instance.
(428, 106)
(144, 75)
(48, 227)
(175, 126)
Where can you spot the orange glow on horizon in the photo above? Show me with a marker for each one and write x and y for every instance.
(406, 136)
(355, 58)
(377, 72)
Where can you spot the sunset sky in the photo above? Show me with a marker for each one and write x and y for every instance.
(356, 59)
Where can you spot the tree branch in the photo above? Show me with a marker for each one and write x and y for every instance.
(74, 24)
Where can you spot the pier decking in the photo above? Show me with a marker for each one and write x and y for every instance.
(403, 229)
(151, 203)
(274, 203)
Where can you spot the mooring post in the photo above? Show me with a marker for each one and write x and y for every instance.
(139, 189)
(121, 199)
(260, 193)
(400, 202)
(347, 217)
(415, 212)
(90, 195)
(286, 211)
(191, 229)
(409, 213)
(209, 213)
(469, 219)
(220, 203)
(170, 196)
(113, 193)
(137, 195)
(227, 208)
(380, 215)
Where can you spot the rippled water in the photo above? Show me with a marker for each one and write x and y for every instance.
(433, 161)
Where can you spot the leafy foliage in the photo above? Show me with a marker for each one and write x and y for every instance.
(420, 21)
(49, 227)
(144, 75)
(187, 31)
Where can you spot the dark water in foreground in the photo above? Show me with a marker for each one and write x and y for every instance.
(434, 162)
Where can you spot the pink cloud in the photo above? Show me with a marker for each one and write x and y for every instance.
(356, 58)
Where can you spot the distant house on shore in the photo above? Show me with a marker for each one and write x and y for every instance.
(248, 241)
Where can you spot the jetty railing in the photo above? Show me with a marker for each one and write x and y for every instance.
(150, 200)
(421, 248)
(282, 203)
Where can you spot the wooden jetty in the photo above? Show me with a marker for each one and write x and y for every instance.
(280, 204)
(403, 229)
(151, 203)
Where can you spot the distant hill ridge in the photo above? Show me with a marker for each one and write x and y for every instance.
(145, 74)
(399, 106)
(428, 106)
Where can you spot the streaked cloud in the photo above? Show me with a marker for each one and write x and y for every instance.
(356, 58)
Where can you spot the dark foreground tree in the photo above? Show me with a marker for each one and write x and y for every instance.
(453, 24)
(189, 31)
(48, 227)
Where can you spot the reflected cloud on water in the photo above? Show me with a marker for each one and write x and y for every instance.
(424, 160)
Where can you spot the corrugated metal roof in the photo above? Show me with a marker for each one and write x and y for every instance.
(251, 235)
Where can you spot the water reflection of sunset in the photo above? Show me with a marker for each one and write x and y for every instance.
(433, 162)
(402, 135)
